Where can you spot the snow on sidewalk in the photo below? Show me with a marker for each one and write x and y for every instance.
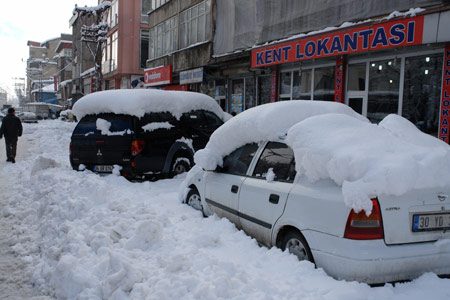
(14, 276)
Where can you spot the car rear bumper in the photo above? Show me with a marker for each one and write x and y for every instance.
(372, 261)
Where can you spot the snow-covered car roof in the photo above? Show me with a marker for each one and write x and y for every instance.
(139, 102)
(331, 141)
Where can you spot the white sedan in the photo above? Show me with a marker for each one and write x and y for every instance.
(364, 202)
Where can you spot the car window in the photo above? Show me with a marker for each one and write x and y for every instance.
(195, 119)
(278, 157)
(119, 123)
(239, 160)
(86, 126)
(212, 120)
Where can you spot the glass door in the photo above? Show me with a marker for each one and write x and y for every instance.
(357, 101)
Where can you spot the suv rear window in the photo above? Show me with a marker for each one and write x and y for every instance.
(119, 123)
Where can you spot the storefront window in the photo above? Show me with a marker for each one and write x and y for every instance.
(296, 86)
(264, 84)
(356, 77)
(384, 77)
(324, 83)
(285, 85)
(237, 96)
(421, 93)
(305, 86)
(250, 95)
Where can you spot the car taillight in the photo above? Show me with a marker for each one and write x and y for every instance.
(362, 227)
(70, 148)
(137, 146)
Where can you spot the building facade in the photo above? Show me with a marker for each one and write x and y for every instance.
(126, 48)
(385, 57)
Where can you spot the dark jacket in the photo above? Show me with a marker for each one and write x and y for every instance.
(11, 127)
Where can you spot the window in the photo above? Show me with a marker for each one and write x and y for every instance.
(145, 8)
(163, 38)
(158, 3)
(113, 17)
(384, 81)
(195, 119)
(250, 93)
(114, 51)
(212, 120)
(264, 84)
(422, 92)
(119, 123)
(324, 83)
(239, 160)
(144, 47)
(194, 24)
(278, 157)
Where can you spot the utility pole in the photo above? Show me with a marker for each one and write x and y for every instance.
(94, 36)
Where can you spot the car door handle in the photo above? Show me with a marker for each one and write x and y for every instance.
(274, 198)
(234, 189)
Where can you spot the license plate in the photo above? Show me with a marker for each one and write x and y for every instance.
(430, 222)
(103, 168)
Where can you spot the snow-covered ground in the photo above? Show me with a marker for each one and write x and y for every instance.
(84, 236)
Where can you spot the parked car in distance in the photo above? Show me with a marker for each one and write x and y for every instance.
(147, 133)
(364, 202)
(27, 117)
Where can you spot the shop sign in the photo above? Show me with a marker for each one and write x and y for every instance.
(273, 86)
(158, 76)
(339, 80)
(444, 128)
(398, 33)
(192, 76)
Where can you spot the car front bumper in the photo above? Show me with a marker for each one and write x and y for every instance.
(372, 261)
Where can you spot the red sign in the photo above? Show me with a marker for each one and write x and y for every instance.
(183, 87)
(403, 32)
(273, 87)
(158, 76)
(339, 80)
(444, 128)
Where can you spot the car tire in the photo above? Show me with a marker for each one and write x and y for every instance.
(296, 244)
(194, 200)
(179, 166)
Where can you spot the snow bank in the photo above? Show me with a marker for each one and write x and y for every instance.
(261, 123)
(85, 236)
(141, 101)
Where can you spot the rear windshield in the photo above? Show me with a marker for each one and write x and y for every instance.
(121, 124)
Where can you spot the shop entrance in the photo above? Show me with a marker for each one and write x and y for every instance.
(357, 101)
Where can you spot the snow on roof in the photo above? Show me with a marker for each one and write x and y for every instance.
(65, 82)
(331, 141)
(138, 102)
(88, 71)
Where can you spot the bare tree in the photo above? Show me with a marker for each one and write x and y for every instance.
(95, 36)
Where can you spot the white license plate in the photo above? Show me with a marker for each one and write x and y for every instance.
(429, 222)
(103, 168)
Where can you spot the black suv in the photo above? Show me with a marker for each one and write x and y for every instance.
(156, 144)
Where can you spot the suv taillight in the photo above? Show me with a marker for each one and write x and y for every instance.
(362, 227)
(70, 149)
(137, 146)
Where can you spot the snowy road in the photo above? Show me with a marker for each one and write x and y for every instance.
(77, 235)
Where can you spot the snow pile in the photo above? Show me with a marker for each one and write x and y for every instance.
(369, 160)
(104, 127)
(85, 236)
(331, 141)
(157, 125)
(261, 123)
(137, 102)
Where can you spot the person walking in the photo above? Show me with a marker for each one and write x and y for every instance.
(11, 129)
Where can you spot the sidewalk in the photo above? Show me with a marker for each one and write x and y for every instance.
(14, 281)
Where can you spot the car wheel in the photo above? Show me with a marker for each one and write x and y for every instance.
(180, 165)
(296, 244)
(194, 200)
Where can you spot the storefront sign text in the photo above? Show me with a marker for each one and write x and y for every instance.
(158, 76)
(404, 32)
(444, 128)
(339, 81)
(192, 76)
